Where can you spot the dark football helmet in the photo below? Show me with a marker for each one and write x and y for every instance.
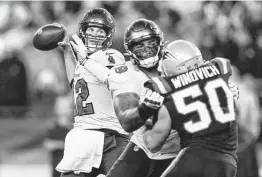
(141, 30)
(97, 17)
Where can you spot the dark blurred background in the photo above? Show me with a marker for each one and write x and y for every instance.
(34, 89)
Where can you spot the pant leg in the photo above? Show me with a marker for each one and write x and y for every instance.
(159, 166)
(190, 163)
(247, 162)
(133, 162)
(113, 148)
(56, 157)
(184, 165)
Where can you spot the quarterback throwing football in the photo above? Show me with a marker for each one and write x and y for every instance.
(97, 138)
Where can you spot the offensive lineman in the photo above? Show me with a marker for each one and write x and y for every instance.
(144, 42)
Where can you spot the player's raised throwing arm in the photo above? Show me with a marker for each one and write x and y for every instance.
(69, 58)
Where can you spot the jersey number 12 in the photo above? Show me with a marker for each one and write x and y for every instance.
(82, 91)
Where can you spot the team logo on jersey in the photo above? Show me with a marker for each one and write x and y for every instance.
(111, 60)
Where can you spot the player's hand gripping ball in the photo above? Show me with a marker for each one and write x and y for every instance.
(47, 37)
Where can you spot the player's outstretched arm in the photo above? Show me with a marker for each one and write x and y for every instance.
(70, 64)
(155, 138)
(133, 112)
(126, 109)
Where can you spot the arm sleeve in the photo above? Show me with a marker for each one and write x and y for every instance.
(223, 64)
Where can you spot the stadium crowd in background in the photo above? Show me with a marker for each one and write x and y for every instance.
(230, 29)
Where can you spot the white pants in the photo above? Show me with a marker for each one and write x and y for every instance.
(83, 151)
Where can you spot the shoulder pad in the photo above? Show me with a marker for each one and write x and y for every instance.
(120, 80)
(118, 74)
(117, 57)
(223, 64)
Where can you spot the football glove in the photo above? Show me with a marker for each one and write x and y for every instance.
(150, 102)
(79, 48)
(152, 99)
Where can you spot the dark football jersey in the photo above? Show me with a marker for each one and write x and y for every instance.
(201, 106)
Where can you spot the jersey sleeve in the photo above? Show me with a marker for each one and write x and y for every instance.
(99, 71)
(223, 64)
(119, 80)
(115, 57)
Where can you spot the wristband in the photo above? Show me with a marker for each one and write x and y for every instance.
(145, 112)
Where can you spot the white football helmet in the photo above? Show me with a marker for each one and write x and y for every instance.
(180, 56)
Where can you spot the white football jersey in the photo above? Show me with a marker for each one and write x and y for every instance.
(133, 81)
(93, 101)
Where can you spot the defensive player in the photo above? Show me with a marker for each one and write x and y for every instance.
(200, 106)
(97, 138)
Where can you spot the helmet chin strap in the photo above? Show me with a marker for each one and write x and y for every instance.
(149, 62)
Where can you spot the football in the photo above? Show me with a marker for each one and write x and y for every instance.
(47, 37)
